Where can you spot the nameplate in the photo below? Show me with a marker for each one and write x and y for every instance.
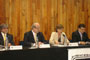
(16, 47)
(73, 44)
(60, 45)
(45, 46)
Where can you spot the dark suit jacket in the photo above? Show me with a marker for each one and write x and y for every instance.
(29, 38)
(76, 37)
(10, 39)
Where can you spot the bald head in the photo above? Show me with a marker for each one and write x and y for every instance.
(36, 27)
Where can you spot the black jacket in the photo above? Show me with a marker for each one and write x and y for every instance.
(76, 37)
(10, 39)
(29, 38)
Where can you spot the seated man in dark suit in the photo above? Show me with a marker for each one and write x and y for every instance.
(34, 36)
(4, 35)
(80, 35)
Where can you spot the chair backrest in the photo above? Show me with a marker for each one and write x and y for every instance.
(21, 43)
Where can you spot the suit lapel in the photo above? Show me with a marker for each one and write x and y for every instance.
(31, 33)
(83, 36)
(8, 36)
(79, 35)
(1, 38)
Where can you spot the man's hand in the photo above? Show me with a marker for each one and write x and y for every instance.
(9, 44)
(40, 43)
(83, 43)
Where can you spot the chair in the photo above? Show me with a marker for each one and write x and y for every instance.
(21, 43)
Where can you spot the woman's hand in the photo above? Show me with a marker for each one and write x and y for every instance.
(56, 42)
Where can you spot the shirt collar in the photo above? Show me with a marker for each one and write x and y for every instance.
(33, 32)
(3, 34)
(80, 33)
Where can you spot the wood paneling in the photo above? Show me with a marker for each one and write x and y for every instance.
(2, 11)
(21, 14)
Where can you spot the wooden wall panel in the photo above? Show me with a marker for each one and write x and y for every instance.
(88, 17)
(21, 14)
(2, 11)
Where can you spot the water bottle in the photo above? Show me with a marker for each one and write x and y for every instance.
(37, 43)
(6, 44)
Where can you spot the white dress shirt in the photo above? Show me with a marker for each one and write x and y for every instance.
(3, 34)
(35, 35)
(81, 35)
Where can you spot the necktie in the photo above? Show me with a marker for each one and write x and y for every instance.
(4, 38)
(35, 37)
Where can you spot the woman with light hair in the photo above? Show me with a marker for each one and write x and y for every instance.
(58, 37)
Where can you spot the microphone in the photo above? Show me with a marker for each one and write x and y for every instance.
(6, 43)
(64, 35)
(37, 43)
(65, 39)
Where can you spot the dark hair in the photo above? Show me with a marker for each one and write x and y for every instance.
(81, 25)
(59, 27)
